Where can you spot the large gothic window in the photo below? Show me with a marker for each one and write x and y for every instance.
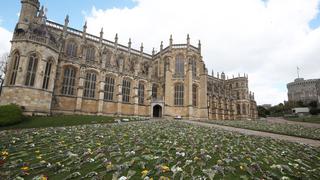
(179, 65)
(154, 91)
(141, 93)
(31, 70)
(238, 109)
(194, 95)
(15, 67)
(47, 74)
(126, 84)
(194, 68)
(178, 94)
(244, 109)
(90, 85)
(68, 81)
(90, 55)
(109, 89)
(72, 48)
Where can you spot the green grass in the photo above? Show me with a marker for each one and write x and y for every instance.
(309, 119)
(130, 148)
(59, 121)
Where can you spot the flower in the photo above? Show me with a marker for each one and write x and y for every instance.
(144, 173)
(5, 153)
(242, 168)
(165, 169)
(25, 168)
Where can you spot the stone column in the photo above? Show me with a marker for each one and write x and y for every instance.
(80, 92)
(101, 96)
(119, 102)
(135, 97)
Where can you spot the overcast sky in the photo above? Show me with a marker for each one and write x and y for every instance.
(267, 39)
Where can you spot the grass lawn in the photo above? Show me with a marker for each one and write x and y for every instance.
(154, 149)
(278, 128)
(310, 119)
(59, 121)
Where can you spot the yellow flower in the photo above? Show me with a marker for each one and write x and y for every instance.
(39, 157)
(37, 151)
(144, 173)
(165, 169)
(44, 178)
(25, 168)
(98, 144)
(5, 153)
(196, 158)
(242, 168)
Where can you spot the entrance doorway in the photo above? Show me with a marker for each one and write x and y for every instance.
(157, 111)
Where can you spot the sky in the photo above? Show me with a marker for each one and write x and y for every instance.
(266, 39)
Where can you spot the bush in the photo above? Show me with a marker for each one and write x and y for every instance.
(314, 111)
(10, 114)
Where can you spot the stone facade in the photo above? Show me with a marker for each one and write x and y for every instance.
(56, 69)
(304, 90)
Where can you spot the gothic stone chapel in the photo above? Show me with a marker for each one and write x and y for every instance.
(55, 69)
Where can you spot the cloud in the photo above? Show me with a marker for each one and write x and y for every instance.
(266, 39)
(5, 37)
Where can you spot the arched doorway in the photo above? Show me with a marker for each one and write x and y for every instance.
(157, 111)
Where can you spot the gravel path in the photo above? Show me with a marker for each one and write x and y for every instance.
(310, 142)
(281, 120)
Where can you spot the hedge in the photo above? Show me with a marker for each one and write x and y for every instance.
(10, 114)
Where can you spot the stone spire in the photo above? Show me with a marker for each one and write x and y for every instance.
(171, 40)
(199, 46)
(188, 39)
(129, 43)
(66, 23)
(116, 39)
(101, 35)
(141, 48)
(153, 52)
(161, 46)
(84, 30)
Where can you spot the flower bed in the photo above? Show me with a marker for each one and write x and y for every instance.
(155, 149)
(279, 128)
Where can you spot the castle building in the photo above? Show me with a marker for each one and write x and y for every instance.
(304, 90)
(55, 69)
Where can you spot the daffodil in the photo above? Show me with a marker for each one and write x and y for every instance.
(25, 168)
(5, 153)
(144, 173)
(165, 169)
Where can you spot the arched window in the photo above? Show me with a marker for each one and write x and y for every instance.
(71, 49)
(126, 84)
(238, 95)
(244, 109)
(238, 109)
(68, 81)
(109, 89)
(178, 94)
(154, 91)
(179, 65)
(141, 93)
(15, 67)
(90, 55)
(47, 74)
(90, 85)
(31, 70)
(194, 68)
(194, 95)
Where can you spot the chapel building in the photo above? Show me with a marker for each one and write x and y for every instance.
(55, 69)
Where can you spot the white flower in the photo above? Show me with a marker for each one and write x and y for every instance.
(123, 178)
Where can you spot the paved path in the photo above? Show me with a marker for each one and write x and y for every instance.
(310, 142)
(281, 120)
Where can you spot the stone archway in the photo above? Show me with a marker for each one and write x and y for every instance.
(157, 111)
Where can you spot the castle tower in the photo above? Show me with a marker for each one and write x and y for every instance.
(29, 10)
(32, 62)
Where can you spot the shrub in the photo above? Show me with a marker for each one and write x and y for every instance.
(314, 111)
(10, 114)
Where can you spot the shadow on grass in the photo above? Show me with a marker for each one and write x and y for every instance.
(59, 121)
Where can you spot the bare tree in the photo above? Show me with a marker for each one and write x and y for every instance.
(3, 67)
